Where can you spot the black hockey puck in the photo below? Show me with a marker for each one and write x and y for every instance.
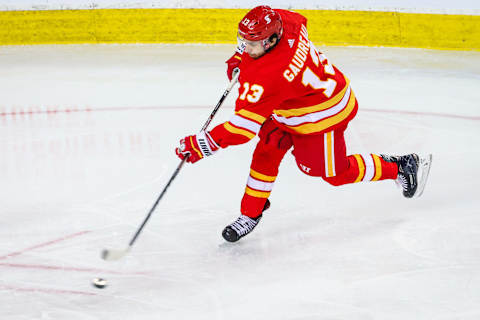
(99, 283)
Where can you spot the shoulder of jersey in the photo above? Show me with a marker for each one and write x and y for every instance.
(292, 22)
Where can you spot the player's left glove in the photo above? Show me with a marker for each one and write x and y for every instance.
(233, 63)
(196, 147)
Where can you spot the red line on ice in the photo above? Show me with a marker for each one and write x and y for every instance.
(47, 290)
(434, 114)
(62, 268)
(45, 244)
(56, 110)
(58, 268)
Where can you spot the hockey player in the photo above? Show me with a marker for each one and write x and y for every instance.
(292, 96)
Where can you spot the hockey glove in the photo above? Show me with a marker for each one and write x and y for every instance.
(234, 62)
(196, 147)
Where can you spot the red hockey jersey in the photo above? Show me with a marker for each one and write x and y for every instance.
(293, 83)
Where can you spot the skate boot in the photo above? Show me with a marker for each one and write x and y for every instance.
(407, 172)
(242, 226)
(412, 172)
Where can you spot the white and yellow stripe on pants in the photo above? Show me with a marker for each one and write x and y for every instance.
(329, 152)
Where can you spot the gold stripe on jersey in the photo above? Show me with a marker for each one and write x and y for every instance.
(252, 116)
(361, 168)
(318, 107)
(321, 125)
(261, 176)
(239, 131)
(257, 194)
(378, 167)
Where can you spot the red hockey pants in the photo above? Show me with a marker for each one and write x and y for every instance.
(323, 155)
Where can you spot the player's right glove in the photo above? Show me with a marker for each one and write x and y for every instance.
(196, 147)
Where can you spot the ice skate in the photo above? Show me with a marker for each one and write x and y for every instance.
(423, 171)
(412, 172)
(242, 226)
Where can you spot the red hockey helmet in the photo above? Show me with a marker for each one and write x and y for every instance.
(260, 23)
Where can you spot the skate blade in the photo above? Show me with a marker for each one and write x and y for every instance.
(424, 169)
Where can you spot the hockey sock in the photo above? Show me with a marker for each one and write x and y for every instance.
(257, 191)
(365, 167)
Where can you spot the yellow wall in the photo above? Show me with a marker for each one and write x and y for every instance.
(327, 27)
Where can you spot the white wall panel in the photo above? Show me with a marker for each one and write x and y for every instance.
(426, 6)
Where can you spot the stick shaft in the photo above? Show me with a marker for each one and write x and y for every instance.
(174, 175)
(180, 165)
(220, 102)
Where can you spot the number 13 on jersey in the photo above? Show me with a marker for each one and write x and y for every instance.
(309, 77)
(313, 80)
(252, 93)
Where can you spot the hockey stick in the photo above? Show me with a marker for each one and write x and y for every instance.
(115, 254)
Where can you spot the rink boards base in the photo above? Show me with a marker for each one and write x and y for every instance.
(326, 27)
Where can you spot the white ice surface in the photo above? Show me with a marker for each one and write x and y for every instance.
(73, 183)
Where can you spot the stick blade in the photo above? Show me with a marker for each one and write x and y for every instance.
(113, 254)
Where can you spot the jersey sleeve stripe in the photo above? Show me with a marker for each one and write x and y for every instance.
(257, 194)
(252, 116)
(241, 122)
(316, 108)
(211, 141)
(232, 129)
(260, 176)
